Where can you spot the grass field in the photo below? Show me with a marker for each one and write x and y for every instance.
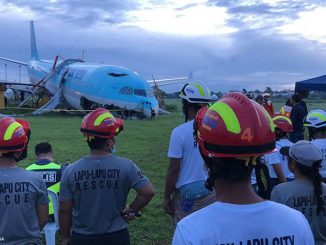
(143, 141)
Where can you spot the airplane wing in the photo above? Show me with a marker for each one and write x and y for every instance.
(169, 81)
(14, 61)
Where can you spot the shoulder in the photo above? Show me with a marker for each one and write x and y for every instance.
(123, 160)
(184, 126)
(284, 211)
(198, 217)
(285, 186)
(284, 142)
(69, 168)
(30, 175)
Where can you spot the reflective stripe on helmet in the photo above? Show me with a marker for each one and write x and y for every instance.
(10, 130)
(282, 118)
(270, 120)
(316, 114)
(102, 117)
(229, 117)
(200, 89)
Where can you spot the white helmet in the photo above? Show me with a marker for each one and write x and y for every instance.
(315, 119)
(196, 92)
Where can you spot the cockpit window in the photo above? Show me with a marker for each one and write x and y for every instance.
(140, 92)
(126, 90)
(112, 74)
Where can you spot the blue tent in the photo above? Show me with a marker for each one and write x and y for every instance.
(312, 84)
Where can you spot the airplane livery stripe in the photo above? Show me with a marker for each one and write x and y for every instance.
(102, 117)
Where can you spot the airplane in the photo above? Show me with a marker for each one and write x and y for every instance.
(85, 86)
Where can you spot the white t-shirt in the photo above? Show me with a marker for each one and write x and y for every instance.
(182, 146)
(321, 145)
(277, 158)
(264, 223)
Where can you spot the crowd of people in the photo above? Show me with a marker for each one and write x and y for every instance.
(213, 186)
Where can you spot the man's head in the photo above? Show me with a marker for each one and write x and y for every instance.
(259, 99)
(302, 94)
(295, 99)
(302, 154)
(232, 134)
(43, 151)
(13, 139)
(100, 127)
(194, 96)
(266, 96)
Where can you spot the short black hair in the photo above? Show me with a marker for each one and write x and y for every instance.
(43, 147)
(96, 143)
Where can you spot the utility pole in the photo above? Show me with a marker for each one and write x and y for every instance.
(19, 72)
(6, 72)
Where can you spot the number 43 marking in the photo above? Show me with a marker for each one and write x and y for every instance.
(247, 135)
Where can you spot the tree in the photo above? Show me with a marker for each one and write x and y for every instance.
(257, 91)
(268, 90)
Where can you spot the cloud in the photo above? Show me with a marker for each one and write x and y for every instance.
(259, 51)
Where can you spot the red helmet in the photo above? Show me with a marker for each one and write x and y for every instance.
(12, 135)
(101, 123)
(25, 124)
(283, 123)
(199, 117)
(236, 126)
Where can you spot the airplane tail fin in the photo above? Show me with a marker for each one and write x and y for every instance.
(34, 53)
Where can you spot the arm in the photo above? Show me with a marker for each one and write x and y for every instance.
(42, 211)
(279, 173)
(65, 216)
(143, 196)
(170, 181)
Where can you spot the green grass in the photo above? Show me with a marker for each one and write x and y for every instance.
(143, 141)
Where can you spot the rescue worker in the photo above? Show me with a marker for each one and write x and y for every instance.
(28, 132)
(278, 164)
(231, 135)
(184, 185)
(268, 105)
(94, 190)
(260, 99)
(297, 117)
(23, 195)
(50, 170)
(316, 124)
(306, 193)
(287, 108)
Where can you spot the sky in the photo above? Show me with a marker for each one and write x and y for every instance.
(227, 44)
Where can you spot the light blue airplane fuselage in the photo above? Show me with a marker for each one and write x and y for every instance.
(102, 84)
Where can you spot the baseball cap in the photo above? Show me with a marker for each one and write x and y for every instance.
(303, 152)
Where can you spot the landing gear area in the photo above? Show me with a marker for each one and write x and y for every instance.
(115, 110)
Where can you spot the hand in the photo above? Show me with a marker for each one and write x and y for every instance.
(168, 206)
(128, 214)
(65, 241)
